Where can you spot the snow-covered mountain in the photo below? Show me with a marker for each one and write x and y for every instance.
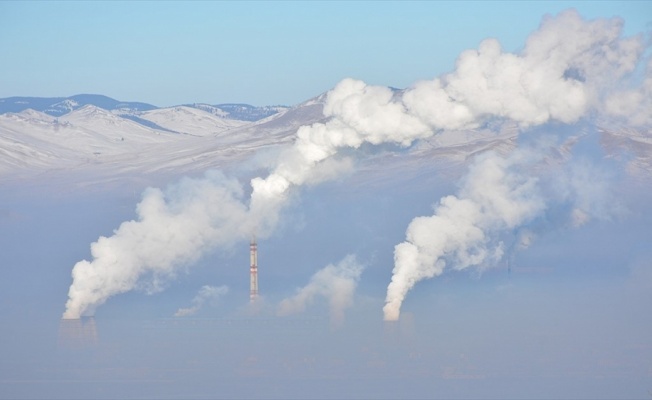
(58, 106)
(33, 142)
(105, 143)
(243, 112)
(192, 121)
(629, 145)
(180, 138)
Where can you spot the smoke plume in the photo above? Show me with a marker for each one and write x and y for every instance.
(495, 196)
(173, 229)
(336, 283)
(568, 68)
(633, 105)
(565, 70)
(207, 294)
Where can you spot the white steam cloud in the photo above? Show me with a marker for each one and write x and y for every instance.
(495, 196)
(498, 195)
(564, 71)
(173, 229)
(568, 68)
(633, 105)
(207, 294)
(336, 283)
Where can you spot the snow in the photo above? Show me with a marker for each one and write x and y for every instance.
(36, 141)
(66, 105)
(191, 121)
(92, 138)
(630, 145)
(211, 109)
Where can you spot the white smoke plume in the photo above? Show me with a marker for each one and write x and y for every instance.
(495, 196)
(207, 294)
(568, 67)
(565, 69)
(498, 195)
(586, 187)
(173, 229)
(633, 105)
(336, 283)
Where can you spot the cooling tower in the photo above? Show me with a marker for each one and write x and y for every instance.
(78, 333)
(401, 330)
(390, 329)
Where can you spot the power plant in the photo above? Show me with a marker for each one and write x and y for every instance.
(253, 270)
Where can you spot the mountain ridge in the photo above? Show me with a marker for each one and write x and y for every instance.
(60, 106)
(104, 144)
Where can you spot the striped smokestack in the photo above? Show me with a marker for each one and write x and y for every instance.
(253, 270)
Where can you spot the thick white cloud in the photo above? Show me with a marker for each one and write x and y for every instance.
(173, 229)
(633, 105)
(565, 70)
(496, 195)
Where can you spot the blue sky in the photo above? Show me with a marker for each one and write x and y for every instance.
(262, 53)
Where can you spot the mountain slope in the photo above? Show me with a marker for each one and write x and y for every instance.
(242, 112)
(58, 106)
(110, 144)
(191, 121)
(34, 141)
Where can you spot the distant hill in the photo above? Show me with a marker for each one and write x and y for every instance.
(242, 112)
(180, 138)
(59, 106)
(110, 138)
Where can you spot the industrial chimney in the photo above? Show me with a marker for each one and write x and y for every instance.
(253, 270)
(77, 333)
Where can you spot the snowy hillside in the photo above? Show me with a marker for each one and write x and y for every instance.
(33, 142)
(58, 106)
(242, 112)
(191, 121)
(91, 138)
(631, 146)
(186, 139)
